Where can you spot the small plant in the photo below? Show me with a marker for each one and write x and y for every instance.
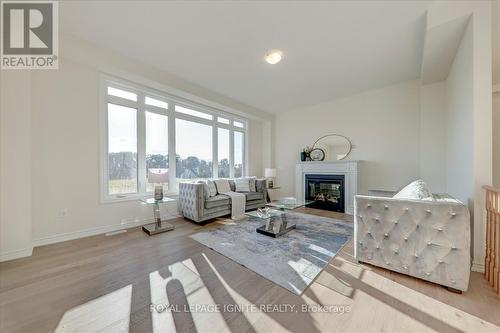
(307, 149)
(306, 153)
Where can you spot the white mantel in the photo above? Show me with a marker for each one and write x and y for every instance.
(347, 168)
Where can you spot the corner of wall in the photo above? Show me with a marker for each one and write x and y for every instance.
(15, 165)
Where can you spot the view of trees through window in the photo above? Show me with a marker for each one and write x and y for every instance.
(193, 147)
(223, 151)
(156, 145)
(139, 129)
(238, 154)
(122, 149)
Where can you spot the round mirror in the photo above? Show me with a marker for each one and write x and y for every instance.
(335, 147)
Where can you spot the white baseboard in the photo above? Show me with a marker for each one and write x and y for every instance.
(477, 267)
(90, 232)
(16, 254)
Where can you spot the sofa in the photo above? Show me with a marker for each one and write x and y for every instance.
(425, 238)
(197, 205)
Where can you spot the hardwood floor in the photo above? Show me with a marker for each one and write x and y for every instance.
(108, 283)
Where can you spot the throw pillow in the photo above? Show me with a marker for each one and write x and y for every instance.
(417, 190)
(253, 187)
(212, 190)
(222, 185)
(242, 184)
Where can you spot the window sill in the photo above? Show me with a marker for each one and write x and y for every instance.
(134, 197)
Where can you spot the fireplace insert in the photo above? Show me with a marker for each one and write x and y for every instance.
(326, 191)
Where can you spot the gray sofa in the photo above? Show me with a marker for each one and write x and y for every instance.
(195, 205)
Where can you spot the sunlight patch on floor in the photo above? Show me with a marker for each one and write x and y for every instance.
(302, 267)
(171, 315)
(334, 283)
(381, 292)
(109, 313)
(321, 250)
(265, 321)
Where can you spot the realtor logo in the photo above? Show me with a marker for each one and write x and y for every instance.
(29, 35)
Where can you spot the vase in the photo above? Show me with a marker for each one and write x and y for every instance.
(303, 156)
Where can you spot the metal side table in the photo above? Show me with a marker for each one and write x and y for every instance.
(268, 196)
(158, 226)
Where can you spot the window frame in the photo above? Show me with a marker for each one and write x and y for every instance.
(141, 107)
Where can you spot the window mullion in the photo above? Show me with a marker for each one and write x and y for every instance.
(141, 145)
(231, 153)
(215, 151)
(171, 148)
(245, 156)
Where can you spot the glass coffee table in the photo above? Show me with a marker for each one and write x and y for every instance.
(275, 217)
(288, 204)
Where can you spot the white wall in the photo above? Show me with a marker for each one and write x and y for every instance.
(15, 165)
(66, 147)
(459, 120)
(383, 125)
(480, 120)
(496, 139)
(433, 135)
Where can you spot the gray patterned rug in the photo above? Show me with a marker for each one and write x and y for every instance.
(293, 260)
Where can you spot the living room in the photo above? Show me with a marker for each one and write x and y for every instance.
(169, 167)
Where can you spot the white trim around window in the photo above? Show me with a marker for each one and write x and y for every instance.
(140, 154)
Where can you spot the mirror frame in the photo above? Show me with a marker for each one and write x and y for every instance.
(334, 134)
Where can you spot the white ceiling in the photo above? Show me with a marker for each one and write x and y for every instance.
(331, 49)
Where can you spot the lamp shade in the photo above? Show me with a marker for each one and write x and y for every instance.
(270, 173)
(157, 175)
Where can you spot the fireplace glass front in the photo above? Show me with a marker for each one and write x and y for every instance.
(326, 191)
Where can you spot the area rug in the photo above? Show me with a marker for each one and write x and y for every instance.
(293, 260)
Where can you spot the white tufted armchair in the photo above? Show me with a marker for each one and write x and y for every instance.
(429, 240)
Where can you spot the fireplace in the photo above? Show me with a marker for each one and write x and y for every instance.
(326, 191)
(348, 169)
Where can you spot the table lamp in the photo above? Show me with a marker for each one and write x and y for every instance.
(270, 174)
(158, 176)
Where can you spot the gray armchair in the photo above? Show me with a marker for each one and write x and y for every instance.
(429, 240)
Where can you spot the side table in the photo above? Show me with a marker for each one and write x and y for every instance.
(158, 226)
(268, 197)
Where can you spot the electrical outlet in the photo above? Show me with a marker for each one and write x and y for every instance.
(62, 213)
(128, 221)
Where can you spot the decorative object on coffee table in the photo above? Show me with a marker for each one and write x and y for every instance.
(270, 174)
(158, 226)
(303, 155)
(275, 216)
(159, 177)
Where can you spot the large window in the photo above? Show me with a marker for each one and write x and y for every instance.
(156, 145)
(193, 150)
(147, 130)
(122, 149)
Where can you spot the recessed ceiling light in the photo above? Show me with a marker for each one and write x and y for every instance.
(274, 56)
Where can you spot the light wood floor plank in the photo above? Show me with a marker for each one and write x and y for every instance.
(107, 283)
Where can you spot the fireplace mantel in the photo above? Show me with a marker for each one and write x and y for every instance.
(347, 168)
